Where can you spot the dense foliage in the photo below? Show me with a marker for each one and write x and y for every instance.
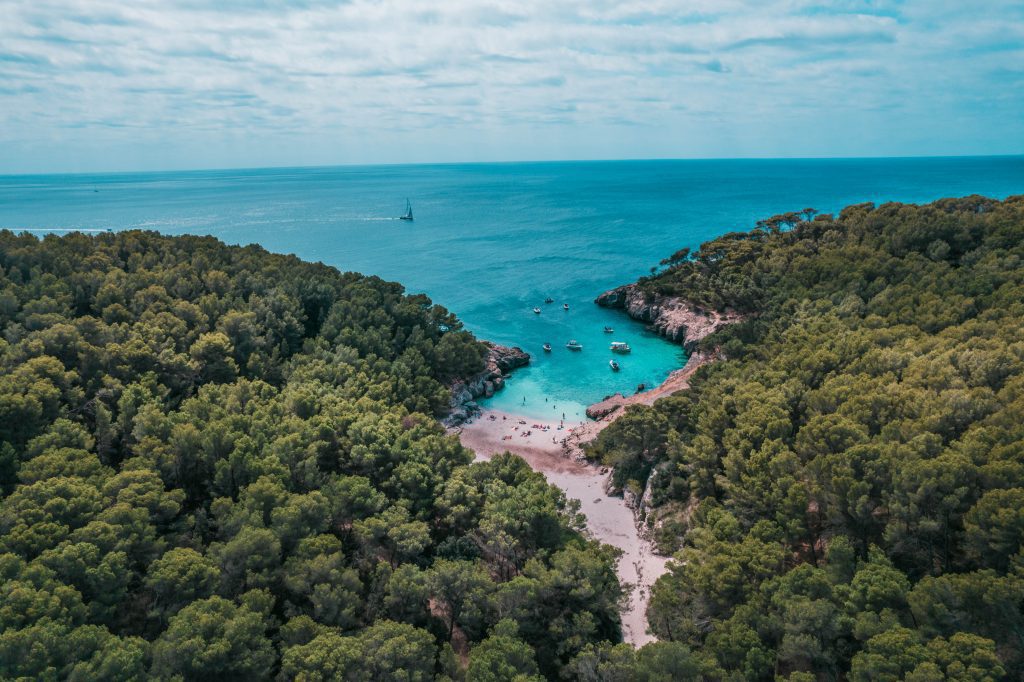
(218, 463)
(846, 489)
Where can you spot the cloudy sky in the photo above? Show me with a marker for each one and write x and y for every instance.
(153, 84)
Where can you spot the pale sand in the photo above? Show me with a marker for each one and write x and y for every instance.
(608, 518)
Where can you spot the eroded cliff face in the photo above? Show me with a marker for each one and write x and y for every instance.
(674, 318)
(499, 363)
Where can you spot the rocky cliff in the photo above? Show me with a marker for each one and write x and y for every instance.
(674, 318)
(498, 364)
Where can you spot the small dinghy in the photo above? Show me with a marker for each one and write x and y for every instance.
(565, 306)
(537, 311)
(614, 365)
(547, 347)
(609, 330)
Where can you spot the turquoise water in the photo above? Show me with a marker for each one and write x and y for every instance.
(491, 241)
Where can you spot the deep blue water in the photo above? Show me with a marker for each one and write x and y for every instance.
(491, 241)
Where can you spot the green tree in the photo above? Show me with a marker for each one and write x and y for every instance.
(215, 638)
(502, 656)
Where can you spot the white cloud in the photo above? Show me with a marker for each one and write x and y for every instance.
(87, 83)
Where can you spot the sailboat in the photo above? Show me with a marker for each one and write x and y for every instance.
(408, 211)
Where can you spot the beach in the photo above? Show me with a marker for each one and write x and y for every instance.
(608, 518)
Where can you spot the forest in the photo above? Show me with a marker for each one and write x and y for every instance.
(844, 488)
(218, 463)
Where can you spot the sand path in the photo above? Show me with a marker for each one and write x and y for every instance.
(608, 518)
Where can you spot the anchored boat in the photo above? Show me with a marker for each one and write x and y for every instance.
(547, 347)
(536, 310)
(614, 365)
(620, 347)
(609, 330)
(574, 345)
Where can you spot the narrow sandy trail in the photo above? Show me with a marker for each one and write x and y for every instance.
(608, 518)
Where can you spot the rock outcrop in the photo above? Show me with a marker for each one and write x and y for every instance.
(599, 411)
(498, 364)
(674, 318)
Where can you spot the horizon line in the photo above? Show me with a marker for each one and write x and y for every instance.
(217, 169)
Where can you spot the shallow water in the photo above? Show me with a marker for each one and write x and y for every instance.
(491, 241)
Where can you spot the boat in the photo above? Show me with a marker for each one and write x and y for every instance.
(537, 310)
(620, 347)
(549, 300)
(614, 365)
(609, 330)
(408, 211)
(565, 306)
(574, 345)
(547, 347)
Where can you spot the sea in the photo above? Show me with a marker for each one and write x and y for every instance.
(492, 241)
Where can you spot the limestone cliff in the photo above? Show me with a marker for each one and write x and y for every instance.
(674, 318)
(498, 364)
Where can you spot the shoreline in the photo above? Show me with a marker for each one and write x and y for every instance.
(554, 447)
(678, 380)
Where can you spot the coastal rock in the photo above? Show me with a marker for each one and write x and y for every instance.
(498, 364)
(501, 360)
(605, 407)
(672, 317)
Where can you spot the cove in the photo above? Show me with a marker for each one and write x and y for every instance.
(491, 241)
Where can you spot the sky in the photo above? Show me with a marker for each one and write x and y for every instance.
(98, 85)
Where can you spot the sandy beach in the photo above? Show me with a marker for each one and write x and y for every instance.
(540, 443)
